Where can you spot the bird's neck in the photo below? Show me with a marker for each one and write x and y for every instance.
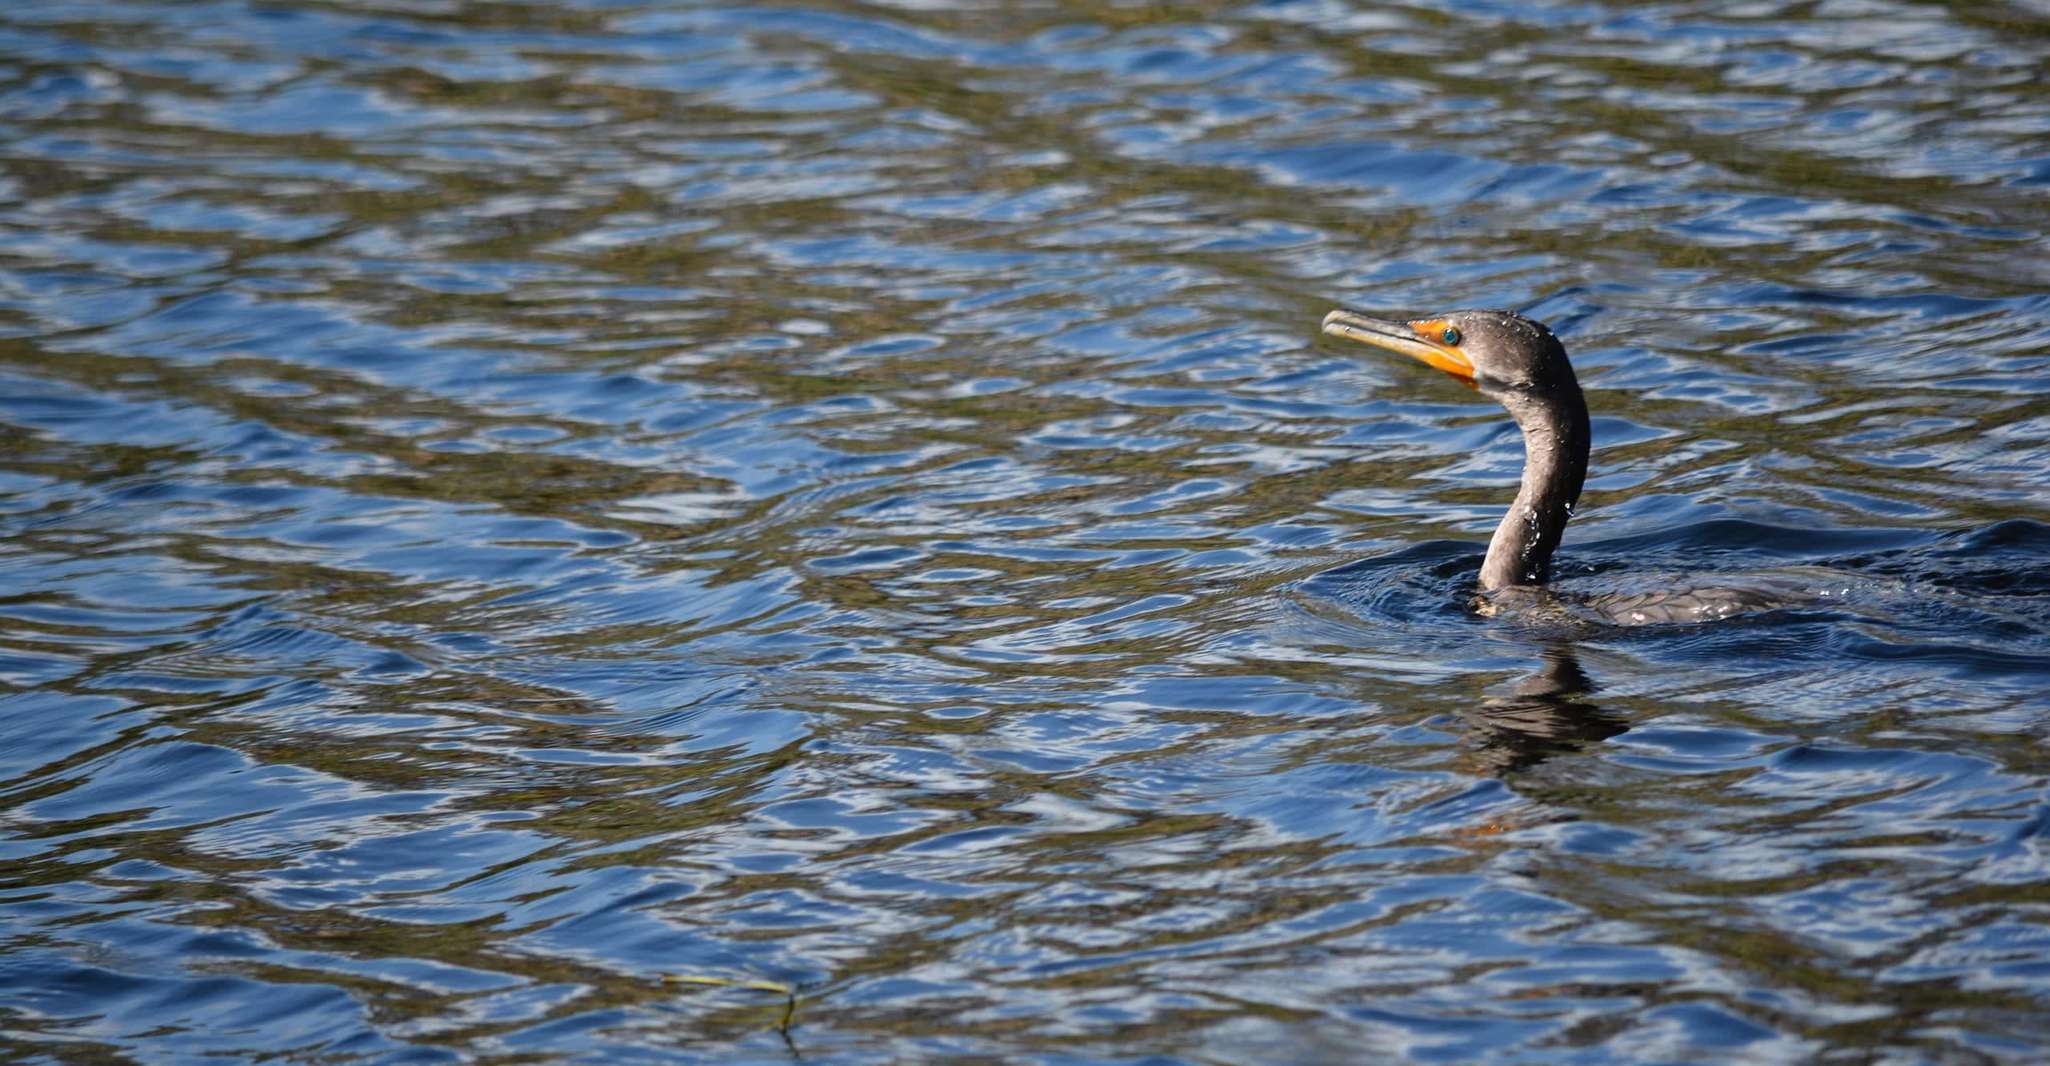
(1555, 446)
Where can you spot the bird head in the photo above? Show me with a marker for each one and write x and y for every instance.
(1503, 355)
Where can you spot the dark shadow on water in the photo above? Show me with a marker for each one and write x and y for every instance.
(1547, 715)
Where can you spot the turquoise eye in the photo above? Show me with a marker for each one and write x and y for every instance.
(1451, 335)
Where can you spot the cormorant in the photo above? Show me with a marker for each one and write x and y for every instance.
(1521, 365)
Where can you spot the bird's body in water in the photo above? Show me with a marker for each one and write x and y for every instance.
(1521, 365)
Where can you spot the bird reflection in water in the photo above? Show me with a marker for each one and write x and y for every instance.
(1545, 716)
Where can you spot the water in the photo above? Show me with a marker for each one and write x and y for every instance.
(509, 504)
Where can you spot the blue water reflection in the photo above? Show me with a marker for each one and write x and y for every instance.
(508, 507)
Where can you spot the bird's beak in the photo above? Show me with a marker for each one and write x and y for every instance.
(1416, 339)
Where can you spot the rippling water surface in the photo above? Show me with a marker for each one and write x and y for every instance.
(508, 504)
